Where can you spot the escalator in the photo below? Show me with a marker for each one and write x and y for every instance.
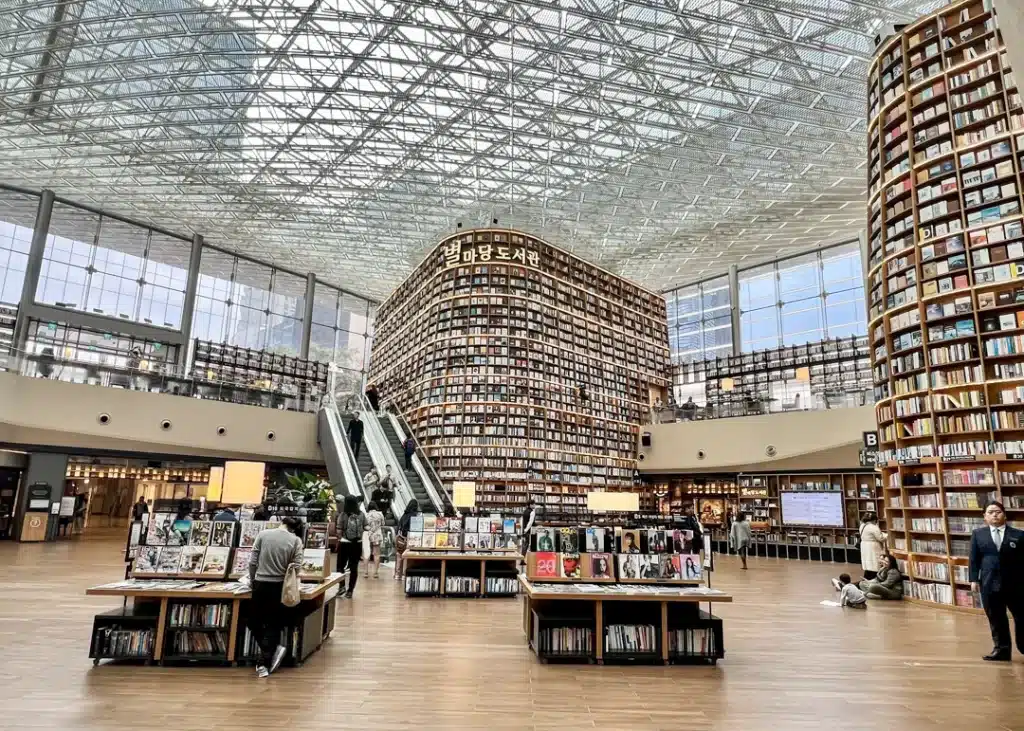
(334, 446)
(419, 491)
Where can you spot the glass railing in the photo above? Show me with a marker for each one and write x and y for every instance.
(166, 378)
(776, 402)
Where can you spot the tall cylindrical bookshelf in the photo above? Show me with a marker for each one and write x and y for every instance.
(946, 289)
(522, 368)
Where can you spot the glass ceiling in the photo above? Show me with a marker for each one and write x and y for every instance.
(663, 139)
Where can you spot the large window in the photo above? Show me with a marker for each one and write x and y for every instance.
(17, 221)
(250, 305)
(107, 267)
(804, 299)
(341, 334)
(699, 321)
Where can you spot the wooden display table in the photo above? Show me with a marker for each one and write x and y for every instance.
(311, 621)
(428, 572)
(673, 611)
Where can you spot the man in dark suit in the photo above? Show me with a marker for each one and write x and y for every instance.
(997, 571)
(355, 435)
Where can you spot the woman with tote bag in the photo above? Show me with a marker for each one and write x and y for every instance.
(275, 554)
(872, 545)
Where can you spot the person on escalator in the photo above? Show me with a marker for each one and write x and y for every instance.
(385, 491)
(409, 446)
(355, 435)
(373, 396)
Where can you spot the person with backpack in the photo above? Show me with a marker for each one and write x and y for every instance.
(410, 449)
(351, 524)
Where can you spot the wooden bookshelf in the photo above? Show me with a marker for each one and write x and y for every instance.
(484, 349)
(946, 256)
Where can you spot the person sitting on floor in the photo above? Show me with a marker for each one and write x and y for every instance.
(888, 584)
(850, 594)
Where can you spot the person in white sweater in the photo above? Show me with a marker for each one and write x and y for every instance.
(872, 545)
(272, 554)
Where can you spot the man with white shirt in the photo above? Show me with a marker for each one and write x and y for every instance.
(997, 571)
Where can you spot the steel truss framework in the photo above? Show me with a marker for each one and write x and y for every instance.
(662, 139)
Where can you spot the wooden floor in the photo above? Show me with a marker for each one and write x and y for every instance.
(397, 663)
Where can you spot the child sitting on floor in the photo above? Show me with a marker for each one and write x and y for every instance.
(850, 594)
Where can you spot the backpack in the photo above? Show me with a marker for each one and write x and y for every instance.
(352, 529)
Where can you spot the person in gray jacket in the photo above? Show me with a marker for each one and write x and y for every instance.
(740, 536)
(272, 554)
(888, 584)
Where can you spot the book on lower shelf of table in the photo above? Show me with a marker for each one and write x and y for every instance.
(631, 638)
(423, 584)
(565, 641)
(692, 642)
(461, 585)
(117, 642)
(207, 616)
(502, 585)
(190, 642)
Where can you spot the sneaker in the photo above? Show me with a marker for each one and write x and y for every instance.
(262, 672)
(275, 663)
(836, 585)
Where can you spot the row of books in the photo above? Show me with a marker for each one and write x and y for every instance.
(422, 584)
(165, 529)
(113, 642)
(565, 641)
(199, 643)
(215, 562)
(692, 642)
(200, 615)
(611, 540)
(631, 638)
(461, 585)
(469, 524)
(464, 541)
(543, 565)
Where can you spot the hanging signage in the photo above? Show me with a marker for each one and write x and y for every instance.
(458, 252)
(464, 494)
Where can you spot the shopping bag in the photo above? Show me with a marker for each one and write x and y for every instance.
(290, 595)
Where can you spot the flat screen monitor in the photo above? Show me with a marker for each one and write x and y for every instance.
(813, 508)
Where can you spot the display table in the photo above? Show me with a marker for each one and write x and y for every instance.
(461, 574)
(599, 622)
(206, 619)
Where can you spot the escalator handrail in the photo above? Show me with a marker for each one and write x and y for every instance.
(382, 455)
(439, 491)
(349, 467)
(417, 464)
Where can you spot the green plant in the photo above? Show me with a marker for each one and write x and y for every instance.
(308, 488)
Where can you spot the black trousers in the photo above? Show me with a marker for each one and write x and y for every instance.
(408, 460)
(355, 443)
(267, 617)
(349, 554)
(996, 603)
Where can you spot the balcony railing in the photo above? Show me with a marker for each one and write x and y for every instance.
(166, 378)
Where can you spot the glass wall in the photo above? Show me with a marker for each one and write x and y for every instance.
(106, 267)
(804, 299)
(699, 321)
(341, 332)
(249, 305)
(17, 222)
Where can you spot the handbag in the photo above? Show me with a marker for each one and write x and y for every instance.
(290, 595)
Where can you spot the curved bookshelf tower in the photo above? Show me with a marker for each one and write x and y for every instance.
(946, 289)
(485, 348)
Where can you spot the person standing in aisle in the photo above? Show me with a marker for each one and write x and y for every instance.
(740, 536)
(409, 445)
(528, 520)
(693, 525)
(355, 434)
(375, 528)
(373, 396)
(872, 545)
(351, 524)
(273, 553)
(997, 572)
(402, 537)
(140, 508)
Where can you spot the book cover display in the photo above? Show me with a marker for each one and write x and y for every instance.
(473, 533)
(626, 555)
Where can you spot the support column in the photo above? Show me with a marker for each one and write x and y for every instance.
(33, 267)
(1010, 20)
(307, 315)
(191, 286)
(734, 306)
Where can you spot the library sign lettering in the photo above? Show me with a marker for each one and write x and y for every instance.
(457, 253)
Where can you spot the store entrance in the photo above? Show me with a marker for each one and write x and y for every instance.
(99, 493)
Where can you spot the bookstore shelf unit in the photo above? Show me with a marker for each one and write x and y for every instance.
(946, 289)
(522, 368)
(758, 495)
